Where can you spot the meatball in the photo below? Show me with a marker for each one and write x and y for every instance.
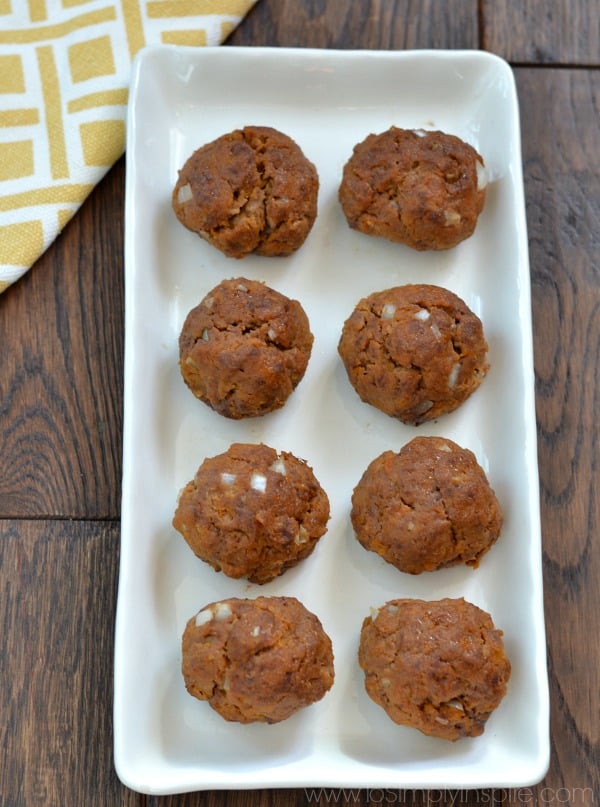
(252, 512)
(419, 188)
(415, 352)
(257, 660)
(249, 191)
(439, 667)
(426, 507)
(244, 348)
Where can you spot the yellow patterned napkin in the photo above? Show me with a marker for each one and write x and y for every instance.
(64, 76)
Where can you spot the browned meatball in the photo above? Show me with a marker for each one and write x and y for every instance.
(426, 507)
(422, 189)
(415, 352)
(251, 512)
(257, 660)
(438, 666)
(251, 190)
(244, 348)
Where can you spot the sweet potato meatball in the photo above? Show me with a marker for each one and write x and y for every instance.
(439, 666)
(257, 660)
(415, 352)
(244, 348)
(423, 189)
(251, 190)
(252, 512)
(427, 506)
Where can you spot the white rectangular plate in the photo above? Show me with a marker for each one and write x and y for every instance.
(165, 740)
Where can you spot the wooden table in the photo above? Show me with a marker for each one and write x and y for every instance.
(61, 400)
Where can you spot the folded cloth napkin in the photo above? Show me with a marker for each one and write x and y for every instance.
(64, 75)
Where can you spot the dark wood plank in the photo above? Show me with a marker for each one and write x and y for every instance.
(58, 582)
(563, 32)
(61, 332)
(562, 168)
(232, 798)
(340, 797)
(377, 24)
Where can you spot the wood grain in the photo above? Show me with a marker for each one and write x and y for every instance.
(565, 32)
(376, 24)
(61, 332)
(562, 171)
(57, 614)
(339, 797)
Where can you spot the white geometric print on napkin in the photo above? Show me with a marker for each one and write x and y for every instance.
(64, 77)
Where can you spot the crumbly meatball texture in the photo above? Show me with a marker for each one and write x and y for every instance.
(439, 667)
(257, 660)
(426, 507)
(422, 189)
(415, 352)
(245, 348)
(252, 512)
(252, 190)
